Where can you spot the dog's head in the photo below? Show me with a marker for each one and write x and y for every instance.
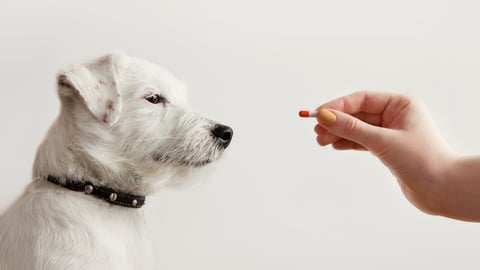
(132, 116)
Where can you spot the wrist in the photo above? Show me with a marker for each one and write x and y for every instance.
(442, 183)
(426, 185)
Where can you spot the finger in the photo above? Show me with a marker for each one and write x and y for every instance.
(372, 119)
(325, 137)
(366, 101)
(353, 129)
(344, 144)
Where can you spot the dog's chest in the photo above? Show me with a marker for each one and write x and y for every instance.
(61, 230)
(123, 241)
(117, 235)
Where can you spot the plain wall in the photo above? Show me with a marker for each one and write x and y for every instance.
(276, 200)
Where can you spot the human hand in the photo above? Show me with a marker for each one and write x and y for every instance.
(398, 130)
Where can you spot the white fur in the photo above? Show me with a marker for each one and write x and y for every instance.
(109, 134)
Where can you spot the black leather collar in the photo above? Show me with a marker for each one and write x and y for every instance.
(101, 192)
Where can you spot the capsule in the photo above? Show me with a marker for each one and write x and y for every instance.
(305, 113)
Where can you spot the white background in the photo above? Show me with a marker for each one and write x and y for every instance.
(276, 200)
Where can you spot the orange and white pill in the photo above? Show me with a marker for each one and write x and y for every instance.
(324, 116)
(305, 113)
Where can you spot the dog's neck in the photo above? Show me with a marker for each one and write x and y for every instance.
(72, 151)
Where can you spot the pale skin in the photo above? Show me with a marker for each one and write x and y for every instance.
(400, 131)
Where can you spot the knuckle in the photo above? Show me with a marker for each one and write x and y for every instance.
(351, 126)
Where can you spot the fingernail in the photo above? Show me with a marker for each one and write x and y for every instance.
(326, 117)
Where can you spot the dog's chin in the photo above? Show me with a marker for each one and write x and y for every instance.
(190, 174)
(184, 162)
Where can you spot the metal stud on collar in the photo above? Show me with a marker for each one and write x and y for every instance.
(88, 189)
(113, 197)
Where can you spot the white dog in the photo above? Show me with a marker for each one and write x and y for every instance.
(124, 126)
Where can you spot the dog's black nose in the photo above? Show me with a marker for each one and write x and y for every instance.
(223, 134)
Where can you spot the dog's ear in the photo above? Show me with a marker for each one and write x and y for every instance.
(96, 83)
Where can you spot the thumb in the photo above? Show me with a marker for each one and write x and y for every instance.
(353, 129)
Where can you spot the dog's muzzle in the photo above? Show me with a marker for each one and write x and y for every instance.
(223, 134)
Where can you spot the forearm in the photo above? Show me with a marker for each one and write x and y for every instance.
(456, 191)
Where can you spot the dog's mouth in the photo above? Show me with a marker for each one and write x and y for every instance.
(197, 164)
(166, 159)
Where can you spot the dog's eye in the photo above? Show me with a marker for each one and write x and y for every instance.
(155, 99)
